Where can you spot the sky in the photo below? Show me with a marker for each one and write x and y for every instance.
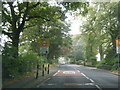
(75, 27)
(76, 23)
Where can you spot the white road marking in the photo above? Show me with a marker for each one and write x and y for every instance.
(78, 70)
(42, 82)
(87, 77)
(68, 72)
(55, 74)
(91, 81)
(84, 75)
(78, 84)
(91, 68)
(98, 87)
(48, 78)
(51, 84)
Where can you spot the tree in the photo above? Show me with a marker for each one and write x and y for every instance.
(102, 28)
(17, 14)
(56, 33)
(15, 18)
(78, 49)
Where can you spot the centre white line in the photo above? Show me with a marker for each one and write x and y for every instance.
(91, 81)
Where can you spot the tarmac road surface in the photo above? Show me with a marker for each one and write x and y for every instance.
(78, 76)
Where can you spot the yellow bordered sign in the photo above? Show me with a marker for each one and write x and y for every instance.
(118, 43)
(44, 43)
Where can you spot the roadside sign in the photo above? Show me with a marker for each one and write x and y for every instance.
(118, 46)
(44, 46)
(44, 50)
(118, 43)
(44, 43)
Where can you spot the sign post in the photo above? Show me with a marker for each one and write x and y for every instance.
(118, 50)
(44, 47)
(44, 50)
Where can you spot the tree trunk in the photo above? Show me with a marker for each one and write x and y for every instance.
(114, 44)
(15, 42)
(113, 39)
(101, 52)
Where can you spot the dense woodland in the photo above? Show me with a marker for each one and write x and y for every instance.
(25, 23)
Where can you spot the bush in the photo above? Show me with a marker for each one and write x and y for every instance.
(13, 67)
(28, 61)
(79, 62)
(10, 67)
(100, 63)
(111, 64)
(9, 62)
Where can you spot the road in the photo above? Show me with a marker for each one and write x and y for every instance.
(78, 76)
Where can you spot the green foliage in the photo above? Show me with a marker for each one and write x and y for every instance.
(53, 61)
(111, 64)
(21, 21)
(77, 48)
(28, 61)
(100, 63)
(13, 67)
(10, 67)
(74, 6)
(93, 61)
(79, 62)
(99, 33)
(56, 33)
(9, 63)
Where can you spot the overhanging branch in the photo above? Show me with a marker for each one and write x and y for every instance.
(8, 34)
(33, 17)
(33, 6)
(21, 26)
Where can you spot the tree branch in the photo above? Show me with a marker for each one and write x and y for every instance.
(8, 34)
(33, 6)
(33, 17)
(13, 15)
(24, 18)
(26, 13)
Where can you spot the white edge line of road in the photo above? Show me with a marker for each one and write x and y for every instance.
(56, 73)
(91, 81)
(42, 83)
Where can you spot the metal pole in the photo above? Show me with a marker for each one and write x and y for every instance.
(43, 70)
(118, 61)
(118, 69)
(48, 69)
(37, 71)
